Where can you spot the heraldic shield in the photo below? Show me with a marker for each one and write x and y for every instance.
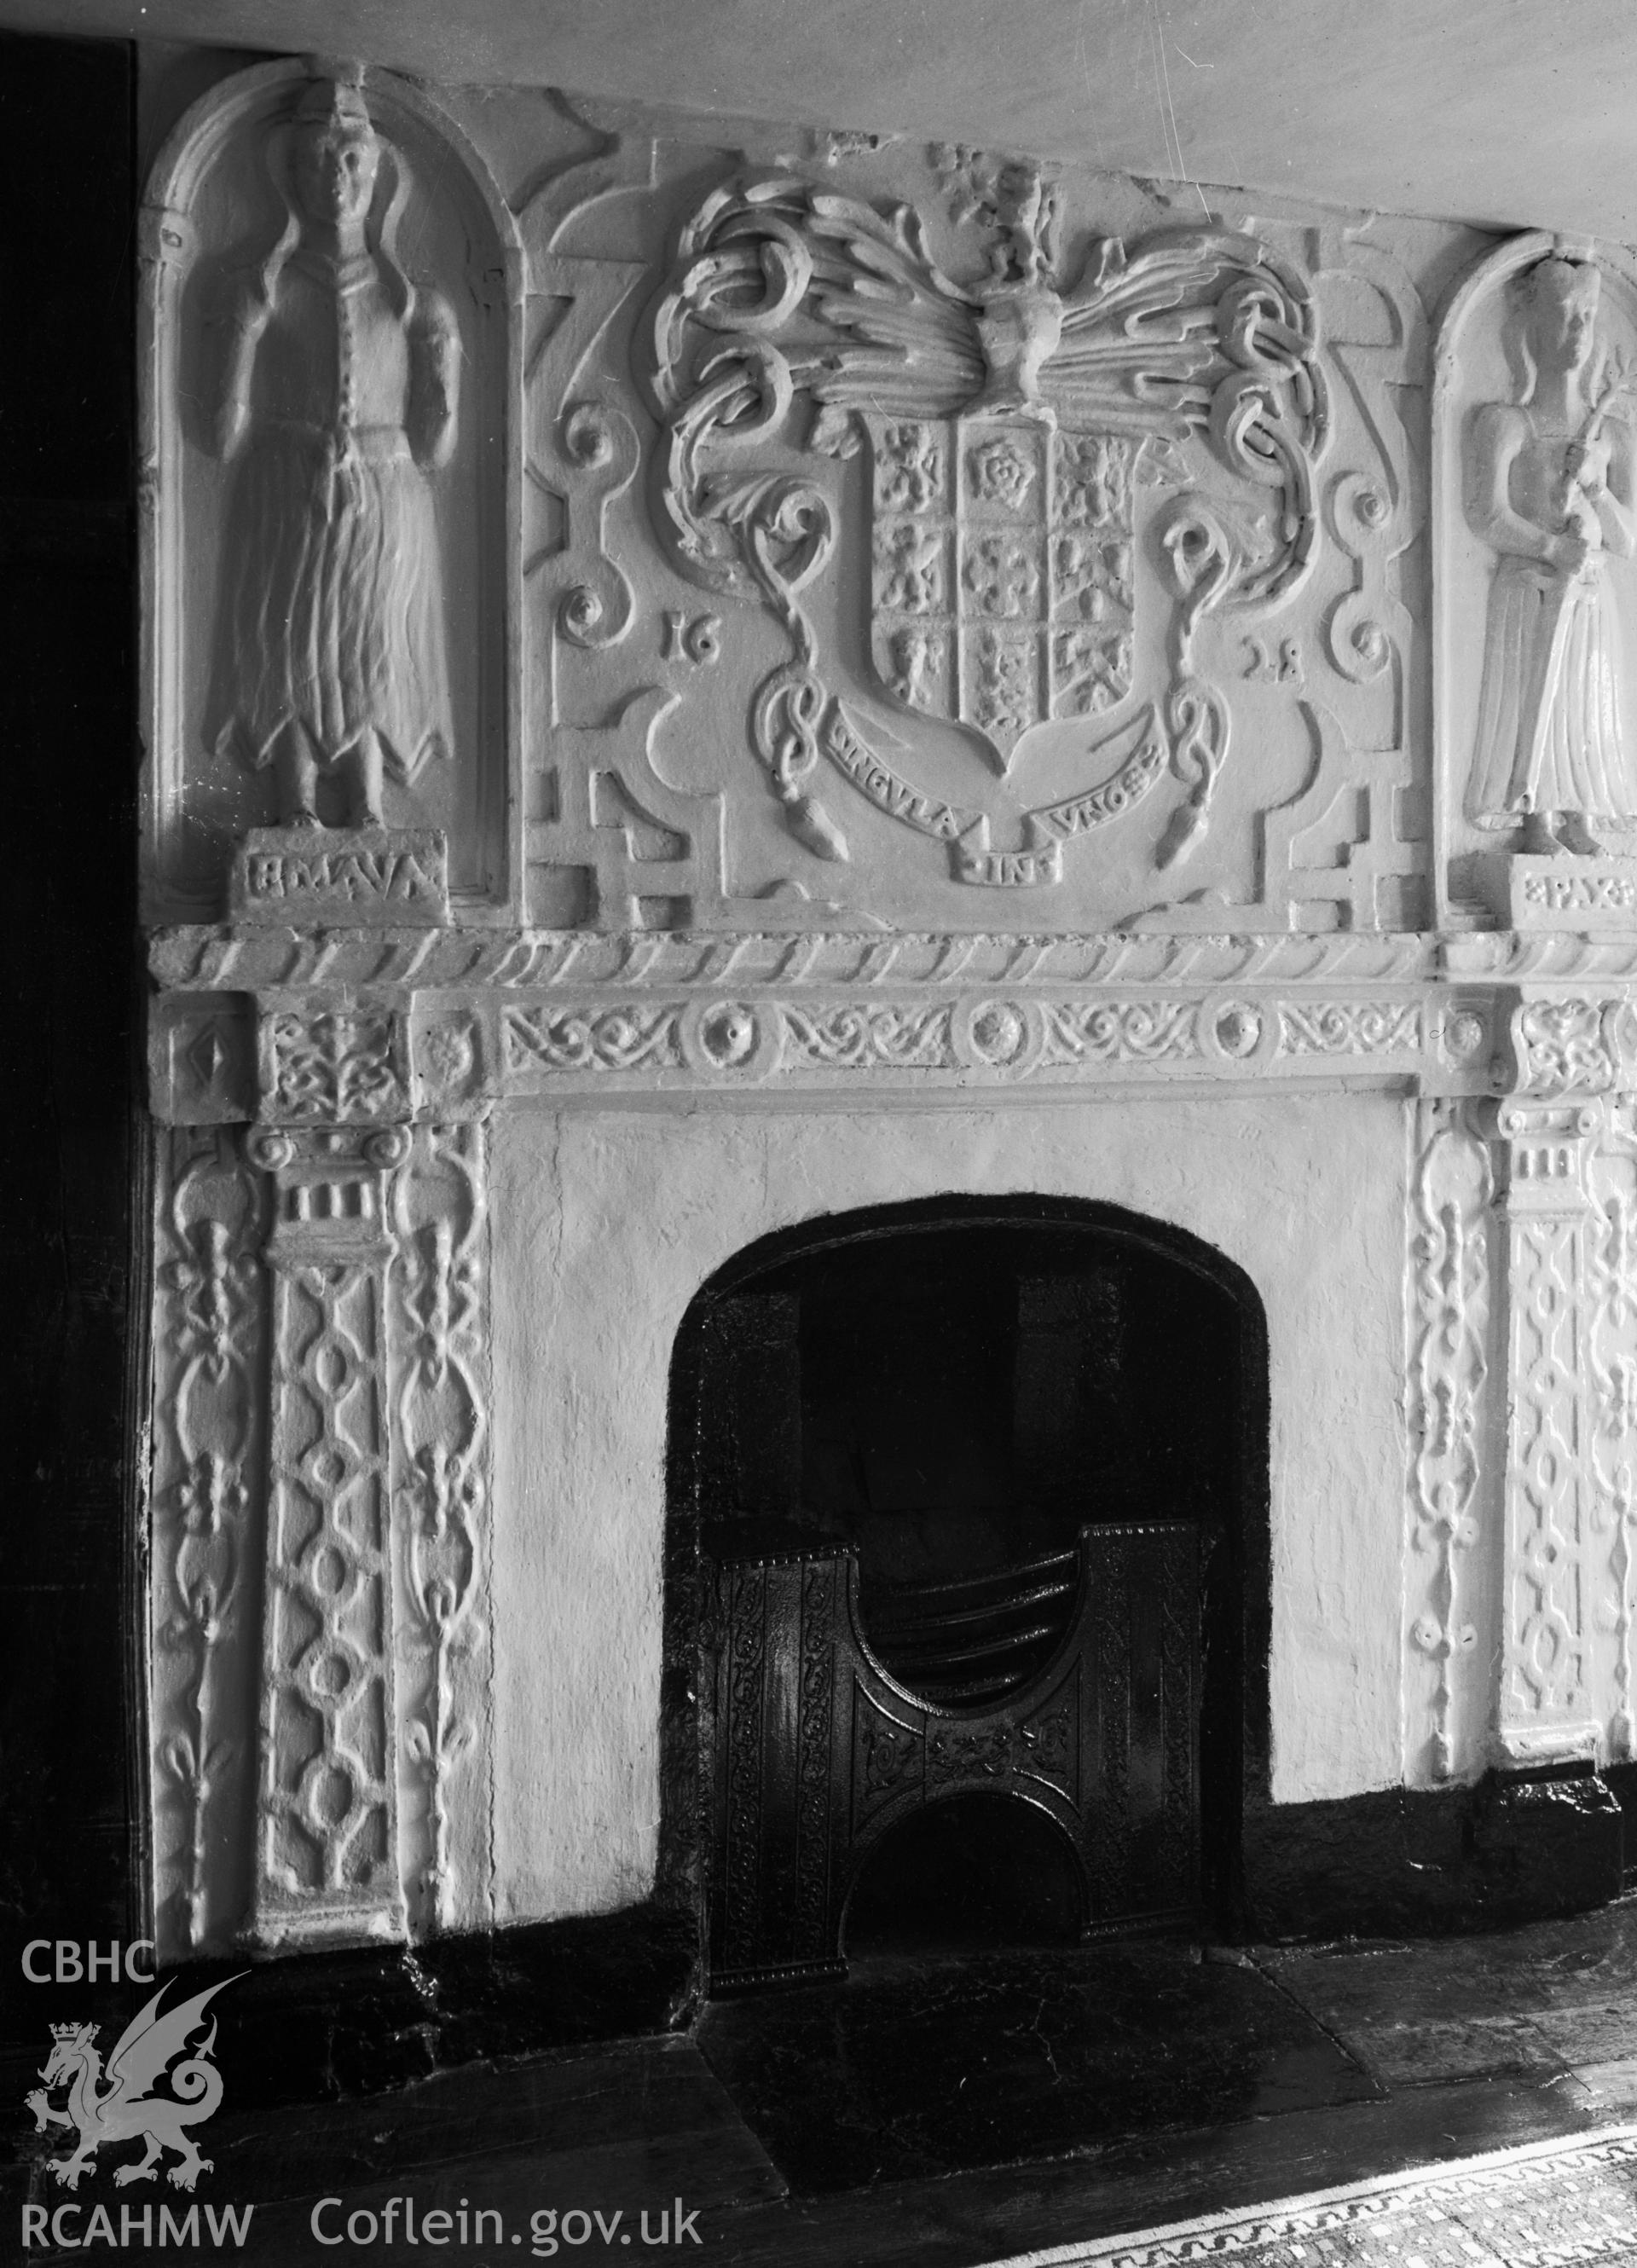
(1003, 588)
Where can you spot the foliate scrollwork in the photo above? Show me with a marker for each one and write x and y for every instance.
(613, 1039)
(1546, 1664)
(207, 1498)
(1572, 1046)
(1611, 1356)
(901, 1038)
(1364, 1027)
(1008, 419)
(440, 1360)
(1447, 1319)
(1016, 1035)
(1129, 1032)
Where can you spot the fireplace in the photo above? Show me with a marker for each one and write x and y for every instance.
(953, 1572)
(933, 1005)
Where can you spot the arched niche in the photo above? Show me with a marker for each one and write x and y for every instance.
(1485, 379)
(947, 1397)
(221, 199)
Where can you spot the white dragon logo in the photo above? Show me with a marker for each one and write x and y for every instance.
(141, 2055)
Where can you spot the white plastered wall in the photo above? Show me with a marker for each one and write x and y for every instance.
(606, 1222)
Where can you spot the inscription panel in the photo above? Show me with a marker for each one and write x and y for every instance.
(290, 876)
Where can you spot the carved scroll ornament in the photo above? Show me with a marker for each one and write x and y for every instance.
(1008, 422)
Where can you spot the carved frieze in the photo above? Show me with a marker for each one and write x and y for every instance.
(443, 1025)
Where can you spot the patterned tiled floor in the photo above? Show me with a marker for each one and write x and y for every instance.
(1550, 2205)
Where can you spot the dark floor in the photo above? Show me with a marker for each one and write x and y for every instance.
(913, 2066)
(946, 2112)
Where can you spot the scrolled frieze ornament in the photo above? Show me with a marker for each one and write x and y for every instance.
(1009, 421)
(338, 407)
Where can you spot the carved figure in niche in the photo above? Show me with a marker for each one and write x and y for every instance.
(340, 398)
(1551, 486)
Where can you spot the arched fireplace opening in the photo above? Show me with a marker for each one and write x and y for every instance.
(966, 1582)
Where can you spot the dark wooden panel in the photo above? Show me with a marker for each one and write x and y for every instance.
(68, 944)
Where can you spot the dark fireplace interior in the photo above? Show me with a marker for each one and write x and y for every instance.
(994, 1414)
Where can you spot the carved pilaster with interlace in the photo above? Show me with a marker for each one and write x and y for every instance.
(207, 1500)
(328, 1861)
(1611, 1335)
(1447, 1316)
(1547, 1697)
(441, 1368)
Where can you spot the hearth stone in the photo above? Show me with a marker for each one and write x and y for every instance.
(914, 2067)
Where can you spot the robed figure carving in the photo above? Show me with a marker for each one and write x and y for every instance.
(340, 399)
(1550, 486)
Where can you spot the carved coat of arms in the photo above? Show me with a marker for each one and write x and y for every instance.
(1002, 589)
(1009, 422)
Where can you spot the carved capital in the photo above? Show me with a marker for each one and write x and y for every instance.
(331, 1187)
(332, 1060)
(1541, 1152)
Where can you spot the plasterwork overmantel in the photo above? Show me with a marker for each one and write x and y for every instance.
(873, 623)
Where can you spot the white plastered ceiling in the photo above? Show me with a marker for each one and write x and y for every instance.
(1501, 113)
